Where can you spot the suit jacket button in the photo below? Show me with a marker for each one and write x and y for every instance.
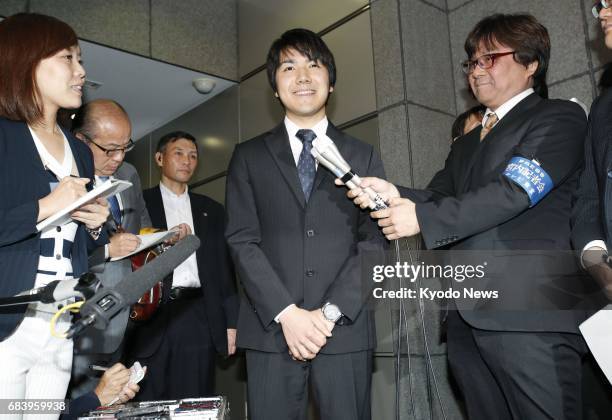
(309, 273)
(310, 233)
(59, 228)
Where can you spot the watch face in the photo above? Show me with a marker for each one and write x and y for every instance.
(332, 313)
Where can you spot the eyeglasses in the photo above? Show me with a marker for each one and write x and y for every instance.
(601, 4)
(111, 152)
(485, 61)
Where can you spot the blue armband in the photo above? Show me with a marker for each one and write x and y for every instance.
(528, 175)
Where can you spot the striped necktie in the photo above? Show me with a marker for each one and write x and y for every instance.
(491, 121)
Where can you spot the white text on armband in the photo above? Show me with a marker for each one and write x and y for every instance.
(528, 175)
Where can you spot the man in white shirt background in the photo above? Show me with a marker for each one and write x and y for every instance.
(198, 317)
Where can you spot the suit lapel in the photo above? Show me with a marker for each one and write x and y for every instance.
(199, 214)
(156, 211)
(515, 114)
(277, 142)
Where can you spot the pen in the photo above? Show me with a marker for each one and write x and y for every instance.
(97, 367)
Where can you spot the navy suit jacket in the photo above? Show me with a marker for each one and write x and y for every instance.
(287, 250)
(470, 206)
(24, 181)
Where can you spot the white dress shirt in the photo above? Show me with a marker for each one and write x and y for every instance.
(178, 210)
(507, 106)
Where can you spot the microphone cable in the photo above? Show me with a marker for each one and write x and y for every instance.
(74, 308)
(421, 312)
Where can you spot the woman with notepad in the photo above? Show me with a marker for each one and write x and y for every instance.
(43, 169)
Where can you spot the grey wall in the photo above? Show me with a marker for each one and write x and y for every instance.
(201, 35)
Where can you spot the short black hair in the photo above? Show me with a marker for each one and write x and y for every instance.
(521, 32)
(459, 124)
(171, 138)
(306, 43)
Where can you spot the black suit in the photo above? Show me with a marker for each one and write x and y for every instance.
(592, 212)
(288, 251)
(181, 341)
(509, 358)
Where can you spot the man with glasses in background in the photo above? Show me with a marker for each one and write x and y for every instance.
(507, 187)
(105, 127)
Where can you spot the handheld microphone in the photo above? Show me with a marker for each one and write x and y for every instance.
(327, 154)
(108, 302)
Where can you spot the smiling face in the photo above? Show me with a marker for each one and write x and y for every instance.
(60, 79)
(505, 79)
(302, 87)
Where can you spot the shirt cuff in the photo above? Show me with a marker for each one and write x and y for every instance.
(598, 243)
(106, 252)
(277, 317)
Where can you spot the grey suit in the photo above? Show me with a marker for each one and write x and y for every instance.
(97, 346)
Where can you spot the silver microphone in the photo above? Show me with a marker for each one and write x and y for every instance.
(327, 154)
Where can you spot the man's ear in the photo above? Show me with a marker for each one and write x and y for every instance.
(81, 137)
(159, 159)
(533, 67)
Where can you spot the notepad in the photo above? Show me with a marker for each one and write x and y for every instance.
(147, 241)
(106, 189)
(597, 332)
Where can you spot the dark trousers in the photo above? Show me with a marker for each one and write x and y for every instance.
(183, 365)
(516, 375)
(278, 386)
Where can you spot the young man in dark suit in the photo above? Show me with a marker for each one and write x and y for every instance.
(297, 242)
(507, 186)
(592, 225)
(198, 317)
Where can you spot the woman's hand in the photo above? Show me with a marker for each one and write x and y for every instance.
(67, 191)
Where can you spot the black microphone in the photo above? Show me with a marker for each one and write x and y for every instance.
(85, 287)
(108, 302)
(56, 291)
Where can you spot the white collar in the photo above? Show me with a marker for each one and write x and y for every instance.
(507, 106)
(319, 128)
(169, 193)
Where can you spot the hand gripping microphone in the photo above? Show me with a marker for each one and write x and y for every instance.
(108, 302)
(327, 154)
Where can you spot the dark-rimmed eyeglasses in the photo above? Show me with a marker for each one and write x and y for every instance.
(111, 152)
(485, 61)
(600, 4)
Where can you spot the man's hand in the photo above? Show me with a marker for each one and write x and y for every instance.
(399, 220)
(305, 332)
(122, 244)
(114, 383)
(93, 215)
(595, 261)
(231, 341)
(181, 230)
(385, 190)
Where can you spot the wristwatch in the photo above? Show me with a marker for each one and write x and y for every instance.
(331, 312)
